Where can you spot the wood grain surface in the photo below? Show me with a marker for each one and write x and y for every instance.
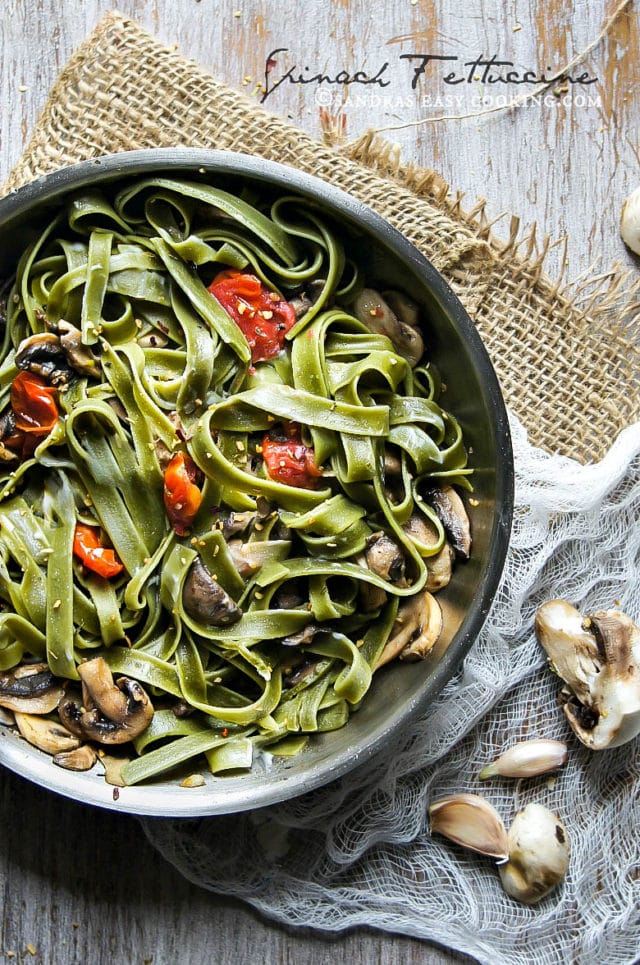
(80, 886)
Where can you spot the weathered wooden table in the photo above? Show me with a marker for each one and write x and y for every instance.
(84, 886)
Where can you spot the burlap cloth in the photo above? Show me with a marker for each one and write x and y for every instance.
(568, 358)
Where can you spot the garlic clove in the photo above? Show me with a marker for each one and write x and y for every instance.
(538, 854)
(469, 820)
(527, 759)
(630, 221)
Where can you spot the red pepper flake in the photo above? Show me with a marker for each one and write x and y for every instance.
(225, 731)
(243, 297)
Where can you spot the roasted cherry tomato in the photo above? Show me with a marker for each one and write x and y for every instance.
(96, 557)
(262, 316)
(35, 413)
(182, 497)
(288, 460)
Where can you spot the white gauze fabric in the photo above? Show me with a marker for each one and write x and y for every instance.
(358, 852)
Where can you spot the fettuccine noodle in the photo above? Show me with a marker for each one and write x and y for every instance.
(173, 373)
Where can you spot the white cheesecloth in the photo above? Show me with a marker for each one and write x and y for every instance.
(358, 852)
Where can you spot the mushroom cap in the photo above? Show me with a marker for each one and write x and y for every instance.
(598, 657)
(385, 558)
(30, 689)
(454, 517)
(205, 600)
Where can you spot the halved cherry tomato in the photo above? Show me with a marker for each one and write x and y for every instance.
(182, 497)
(262, 316)
(96, 557)
(288, 460)
(34, 404)
(35, 413)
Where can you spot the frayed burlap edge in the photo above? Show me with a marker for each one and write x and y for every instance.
(567, 355)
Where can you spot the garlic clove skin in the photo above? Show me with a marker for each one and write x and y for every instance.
(630, 221)
(527, 759)
(599, 658)
(469, 820)
(538, 854)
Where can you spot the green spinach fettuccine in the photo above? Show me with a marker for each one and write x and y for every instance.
(207, 444)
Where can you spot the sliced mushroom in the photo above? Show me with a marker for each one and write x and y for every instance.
(415, 631)
(117, 406)
(302, 637)
(392, 464)
(301, 673)
(182, 709)
(70, 712)
(306, 299)
(385, 558)
(599, 659)
(440, 569)
(7, 429)
(79, 356)
(373, 311)
(42, 354)
(250, 556)
(205, 600)
(289, 596)
(30, 689)
(113, 768)
(80, 759)
(119, 710)
(439, 566)
(46, 734)
(454, 518)
(236, 523)
(371, 597)
(404, 307)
